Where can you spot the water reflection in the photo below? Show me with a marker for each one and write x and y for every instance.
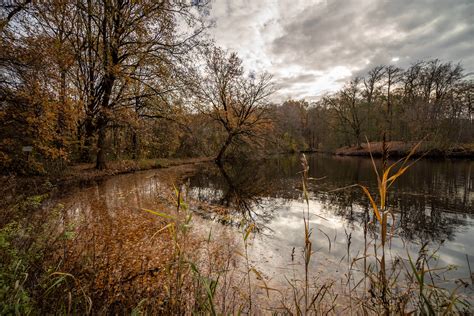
(433, 200)
(243, 191)
(114, 247)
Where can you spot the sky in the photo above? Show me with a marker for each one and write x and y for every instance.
(313, 47)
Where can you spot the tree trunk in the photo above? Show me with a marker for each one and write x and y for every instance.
(357, 136)
(135, 148)
(86, 149)
(101, 146)
(110, 56)
(224, 148)
(62, 105)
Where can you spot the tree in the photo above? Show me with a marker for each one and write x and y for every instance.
(346, 106)
(374, 76)
(393, 75)
(318, 121)
(372, 92)
(101, 64)
(120, 43)
(237, 102)
(28, 105)
(291, 117)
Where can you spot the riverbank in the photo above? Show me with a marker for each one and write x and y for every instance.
(88, 172)
(402, 149)
(80, 174)
(19, 190)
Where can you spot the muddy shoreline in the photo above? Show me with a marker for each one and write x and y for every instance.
(81, 175)
(402, 149)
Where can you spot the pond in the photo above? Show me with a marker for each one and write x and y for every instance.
(433, 202)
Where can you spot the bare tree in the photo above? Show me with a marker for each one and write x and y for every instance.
(371, 93)
(346, 107)
(374, 77)
(393, 75)
(239, 103)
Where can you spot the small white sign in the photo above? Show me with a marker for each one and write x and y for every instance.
(27, 148)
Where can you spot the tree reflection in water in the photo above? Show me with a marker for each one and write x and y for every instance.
(242, 188)
(431, 202)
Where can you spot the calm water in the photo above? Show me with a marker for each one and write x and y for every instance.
(433, 202)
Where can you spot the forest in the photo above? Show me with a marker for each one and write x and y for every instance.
(91, 88)
(88, 83)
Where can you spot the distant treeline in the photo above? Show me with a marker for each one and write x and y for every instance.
(93, 81)
(430, 100)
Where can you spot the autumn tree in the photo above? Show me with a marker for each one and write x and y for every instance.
(238, 102)
(318, 125)
(124, 42)
(106, 64)
(292, 124)
(31, 106)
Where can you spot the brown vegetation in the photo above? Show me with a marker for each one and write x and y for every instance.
(402, 149)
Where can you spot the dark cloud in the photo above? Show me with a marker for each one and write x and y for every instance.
(300, 78)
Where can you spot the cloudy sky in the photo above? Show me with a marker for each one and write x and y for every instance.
(312, 47)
